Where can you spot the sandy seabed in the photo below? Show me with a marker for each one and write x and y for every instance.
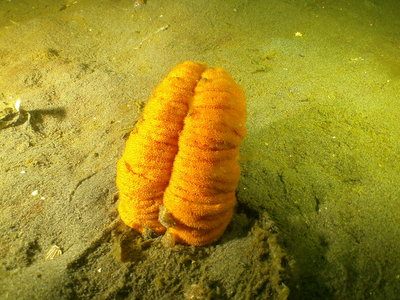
(318, 214)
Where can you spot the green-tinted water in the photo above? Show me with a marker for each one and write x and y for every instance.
(322, 80)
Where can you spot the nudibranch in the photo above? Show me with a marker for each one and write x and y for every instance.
(182, 156)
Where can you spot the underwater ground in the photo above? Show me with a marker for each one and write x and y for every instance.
(319, 198)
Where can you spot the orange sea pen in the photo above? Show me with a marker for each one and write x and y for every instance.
(184, 155)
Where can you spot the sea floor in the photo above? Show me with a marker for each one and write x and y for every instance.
(319, 202)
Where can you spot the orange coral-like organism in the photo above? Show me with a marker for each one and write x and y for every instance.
(183, 156)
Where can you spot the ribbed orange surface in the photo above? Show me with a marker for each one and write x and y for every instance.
(184, 155)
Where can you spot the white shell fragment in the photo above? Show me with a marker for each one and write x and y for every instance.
(17, 105)
(10, 113)
(53, 252)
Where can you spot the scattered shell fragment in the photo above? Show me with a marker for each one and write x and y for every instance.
(165, 218)
(149, 36)
(138, 3)
(53, 252)
(298, 34)
(9, 113)
(197, 291)
(168, 240)
(12, 113)
(356, 59)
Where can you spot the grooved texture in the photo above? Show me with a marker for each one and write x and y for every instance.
(184, 155)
